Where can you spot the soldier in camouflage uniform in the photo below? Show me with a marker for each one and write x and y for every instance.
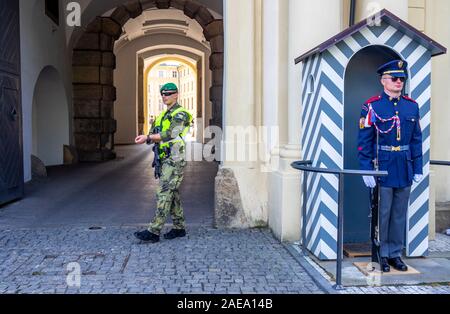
(168, 130)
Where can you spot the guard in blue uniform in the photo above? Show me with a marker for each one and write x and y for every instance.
(390, 139)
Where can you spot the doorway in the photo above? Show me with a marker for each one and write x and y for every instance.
(361, 83)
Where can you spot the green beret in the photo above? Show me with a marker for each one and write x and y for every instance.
(169, 87)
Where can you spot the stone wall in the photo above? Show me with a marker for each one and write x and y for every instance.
(93, 90)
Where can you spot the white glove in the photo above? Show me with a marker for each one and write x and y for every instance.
(370, 182)
(418, 178)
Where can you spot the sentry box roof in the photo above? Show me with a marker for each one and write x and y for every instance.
(390, 19)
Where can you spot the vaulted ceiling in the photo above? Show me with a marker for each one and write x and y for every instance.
(157, 21)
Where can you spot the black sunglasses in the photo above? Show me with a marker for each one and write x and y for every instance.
(395, 79)
(168, 93)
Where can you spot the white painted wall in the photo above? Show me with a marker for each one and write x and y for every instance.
(42, 45)
(125, 108)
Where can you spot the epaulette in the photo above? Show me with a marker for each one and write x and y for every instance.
(373, 99)
(410, 99)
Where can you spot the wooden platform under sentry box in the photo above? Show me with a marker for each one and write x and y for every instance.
(366, 269)
(353, 250)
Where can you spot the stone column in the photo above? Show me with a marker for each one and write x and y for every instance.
(238, 75)
(301, 33)
(93, 90)
(240, 186)
(276, 103)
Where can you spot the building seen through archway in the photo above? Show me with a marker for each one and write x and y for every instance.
(170, 71)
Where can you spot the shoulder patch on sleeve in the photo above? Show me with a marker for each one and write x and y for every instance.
(373, 99)
(181, 116)
(410, 99)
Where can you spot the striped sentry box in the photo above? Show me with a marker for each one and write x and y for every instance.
(322, 120)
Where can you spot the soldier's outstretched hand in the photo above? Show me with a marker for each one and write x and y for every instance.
(141, 139)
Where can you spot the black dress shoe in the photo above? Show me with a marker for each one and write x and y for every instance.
(147, 236)
(175, 233)
(398, 264)
(384, 265)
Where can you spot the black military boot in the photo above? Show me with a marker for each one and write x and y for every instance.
(175, 233)
(384, 265)
(398, 264)
(147, 236)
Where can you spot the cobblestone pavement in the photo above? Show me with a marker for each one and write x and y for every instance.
(111, 261)
(440, 244)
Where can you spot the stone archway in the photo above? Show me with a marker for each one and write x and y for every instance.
(94, 63)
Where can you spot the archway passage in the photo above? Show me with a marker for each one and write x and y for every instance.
(94, 63)
(50, 118)
(361, 83)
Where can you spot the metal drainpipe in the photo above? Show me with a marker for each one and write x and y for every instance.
(352, 12)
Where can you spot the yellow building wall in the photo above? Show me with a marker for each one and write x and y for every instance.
(437, 26)
(431, 17)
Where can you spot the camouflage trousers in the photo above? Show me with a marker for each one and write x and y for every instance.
(168, 197)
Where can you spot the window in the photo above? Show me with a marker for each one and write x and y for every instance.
(310, 84)
(161, 74)
(174, 74)
(52, 10)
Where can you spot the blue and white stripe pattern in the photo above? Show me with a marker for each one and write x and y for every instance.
(322, 139)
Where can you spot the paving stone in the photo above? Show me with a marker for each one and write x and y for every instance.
(36, 260)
